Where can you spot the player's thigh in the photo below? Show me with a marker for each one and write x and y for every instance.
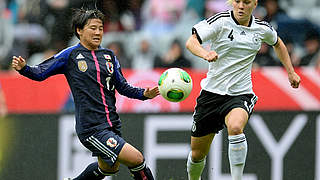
(130, 156)
(106, 145)
(236, 120)
(200, 146)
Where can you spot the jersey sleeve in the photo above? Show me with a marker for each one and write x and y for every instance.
(270, 35)
(124, 88)
(52, 66)
(205, 30)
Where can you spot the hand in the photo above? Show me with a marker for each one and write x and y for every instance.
(294, 79)
(18, 63)
(3, 112)
(211, 56)
(151, 93)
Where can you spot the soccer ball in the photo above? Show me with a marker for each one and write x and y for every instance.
(175, 84)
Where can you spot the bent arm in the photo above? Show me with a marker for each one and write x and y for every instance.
(194, 46)
(283, 55)
(124, 88)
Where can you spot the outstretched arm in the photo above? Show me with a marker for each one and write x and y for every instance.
(194, 46)
(41, 71)
(283, 55)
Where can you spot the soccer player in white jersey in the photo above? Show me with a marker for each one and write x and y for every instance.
(227, 98)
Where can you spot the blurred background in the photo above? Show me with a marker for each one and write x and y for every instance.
(144, 33)
(37, 138)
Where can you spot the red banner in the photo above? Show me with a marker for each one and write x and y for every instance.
(270, 85)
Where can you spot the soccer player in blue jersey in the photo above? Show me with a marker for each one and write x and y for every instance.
(227, 98)
(93, 74)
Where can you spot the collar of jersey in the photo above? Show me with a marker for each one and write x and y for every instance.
(235, 20)
(88, 49)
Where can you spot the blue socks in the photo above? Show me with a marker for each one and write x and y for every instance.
(92, 172)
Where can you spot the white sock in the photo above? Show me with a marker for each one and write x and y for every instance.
(195, 169)
(237, 155)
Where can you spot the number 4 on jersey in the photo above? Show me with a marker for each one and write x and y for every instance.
(230, 36)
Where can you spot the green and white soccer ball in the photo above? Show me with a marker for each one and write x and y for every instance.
(175, 84)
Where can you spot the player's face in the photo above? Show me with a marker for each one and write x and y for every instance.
(91, 34)
(243, 9)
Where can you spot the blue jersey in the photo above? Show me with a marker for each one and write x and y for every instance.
(93, 77)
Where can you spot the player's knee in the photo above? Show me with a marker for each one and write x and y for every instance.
(197, 155)
(235, 129)
(130, 156)
(139, 159)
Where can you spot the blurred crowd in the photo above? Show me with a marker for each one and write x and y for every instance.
(146, 34)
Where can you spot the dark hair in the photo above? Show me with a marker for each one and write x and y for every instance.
(81, 16)
(312, 34)
(177, 42)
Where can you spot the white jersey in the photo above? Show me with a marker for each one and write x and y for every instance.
(236, 46)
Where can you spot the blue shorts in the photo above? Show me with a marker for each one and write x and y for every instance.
(106, 144)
